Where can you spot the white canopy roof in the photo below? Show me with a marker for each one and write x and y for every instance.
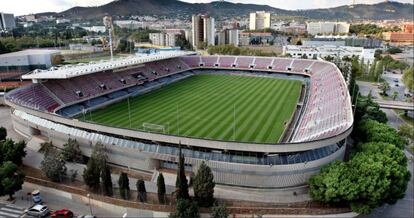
(70, 71)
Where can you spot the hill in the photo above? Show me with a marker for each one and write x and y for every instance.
(173, 8)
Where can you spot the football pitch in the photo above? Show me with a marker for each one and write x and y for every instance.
(210, 106)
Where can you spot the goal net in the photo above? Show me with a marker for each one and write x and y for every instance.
(151, 127)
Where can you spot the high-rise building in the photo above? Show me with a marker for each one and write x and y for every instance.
(7, 21)
(233, 37)
(260, 20)
(164, 38)
(228, 37)
(315, 28)
(203, 30)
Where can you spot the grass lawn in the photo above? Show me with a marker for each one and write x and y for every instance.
(220, 107)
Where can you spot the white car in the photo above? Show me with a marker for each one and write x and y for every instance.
(38, 211)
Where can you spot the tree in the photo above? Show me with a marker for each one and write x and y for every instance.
(3, 132)
(185, 209)
(376, 175)
(11, 179)
(161, 189)
(181, 183)
(204, 186)
(71, 151)
(299, 42)
(219, 212)
(329, 58)
(373, 131)
(394, 95)
(366, 108)
(11, 151)
(106, 181)
(123, 183)
(91, 174)
(142, 191)
(406, 131)
(47, 147)
(407, 78)
(94, 167)
(54, 167)
(394, 50)
(384, 87)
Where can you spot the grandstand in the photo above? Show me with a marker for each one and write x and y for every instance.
(130, 105)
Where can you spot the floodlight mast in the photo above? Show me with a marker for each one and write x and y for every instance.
(107, 20)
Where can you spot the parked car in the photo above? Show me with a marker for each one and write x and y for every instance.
(396, 84)
(86, 216)
(38, 211)
(64, 213)
(396, 80)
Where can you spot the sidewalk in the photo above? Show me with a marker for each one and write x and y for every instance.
(56, 199)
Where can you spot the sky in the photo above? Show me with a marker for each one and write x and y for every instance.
(21, 7)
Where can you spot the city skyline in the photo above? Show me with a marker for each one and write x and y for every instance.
(61, 5)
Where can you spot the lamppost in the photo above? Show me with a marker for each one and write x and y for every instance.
(89, 200)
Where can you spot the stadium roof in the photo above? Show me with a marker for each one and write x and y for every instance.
(70, 71)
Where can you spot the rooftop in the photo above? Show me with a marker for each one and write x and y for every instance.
(70, 71)
(30, 52)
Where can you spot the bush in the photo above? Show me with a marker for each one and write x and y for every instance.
(185, 209)
(219, 212)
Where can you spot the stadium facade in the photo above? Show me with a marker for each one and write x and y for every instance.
(315, 136)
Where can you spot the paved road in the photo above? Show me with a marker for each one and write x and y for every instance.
(10, 210)
(404, 207)
(390, 77)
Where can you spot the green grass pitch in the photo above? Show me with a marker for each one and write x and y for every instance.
(210, 106)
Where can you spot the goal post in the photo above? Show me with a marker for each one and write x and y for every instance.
(152, 127)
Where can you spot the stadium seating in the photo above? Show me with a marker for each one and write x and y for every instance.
(326, 111)
(244, 62)
(34, 96)
(209, 61)
(263, 63)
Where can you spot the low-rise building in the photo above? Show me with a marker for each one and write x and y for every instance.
(96, 29)
(29, 59)
(315, 28)
(315, 52)
(406, 36)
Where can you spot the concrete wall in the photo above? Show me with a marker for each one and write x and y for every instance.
(235, 174)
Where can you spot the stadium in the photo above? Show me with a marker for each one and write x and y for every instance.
(258, 122)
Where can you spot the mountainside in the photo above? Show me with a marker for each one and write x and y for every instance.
(171, 8)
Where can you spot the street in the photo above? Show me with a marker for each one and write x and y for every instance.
(404, 207)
